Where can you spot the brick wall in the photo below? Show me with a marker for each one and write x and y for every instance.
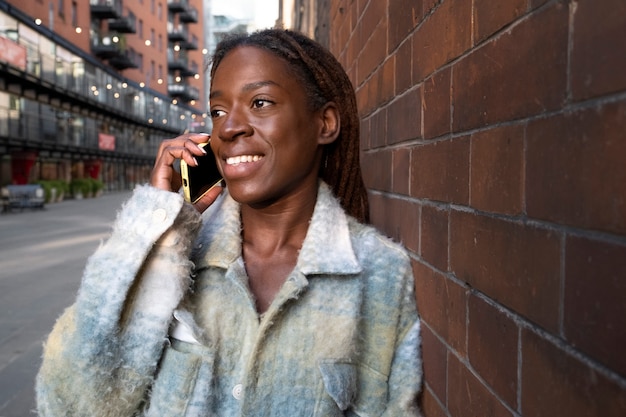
(494, 138)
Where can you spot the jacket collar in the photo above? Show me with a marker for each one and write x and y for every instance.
(327, 247)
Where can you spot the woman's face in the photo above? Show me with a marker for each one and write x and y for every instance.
(265, 137)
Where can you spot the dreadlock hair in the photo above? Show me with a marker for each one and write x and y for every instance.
(324, 80)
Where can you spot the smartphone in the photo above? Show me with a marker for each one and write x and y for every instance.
(198, 180)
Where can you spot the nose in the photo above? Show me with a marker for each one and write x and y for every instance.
(233, 124)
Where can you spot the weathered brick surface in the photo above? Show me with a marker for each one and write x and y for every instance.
(516, 265)
(497, 170)
(405, 15)
(576, 170)
(404, 117)
(401, 167)
(599, 52)
(556, 384)
(471, 398)
(434, 237)
(444, 35)
(442, 304)
(489, 17)
(440, 171)
(494, 150)
(493, 348)
(434, 354)
(436, 104)
(404, 65)
(520, 73)
(595, 300)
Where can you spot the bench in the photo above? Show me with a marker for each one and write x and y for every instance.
(22, 196)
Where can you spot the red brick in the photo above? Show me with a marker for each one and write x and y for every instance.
(443, 36)
(595, 300)
(599, 52)
(442, 304)
(440, 171)
(430, 406)
(491, 16)
(468, 397)
(401, 221)
(497, 170)
(388, 80)
(434, 240)
(374, 52)
(517, 265)
(518, 74)
(376, 167)
(555, 384)
(405, 15)
(404, 117)
(492, 348)
(404, 64)
(575, 169)
(434, 358)
(377, 129)
(401, 168)
(436, 104)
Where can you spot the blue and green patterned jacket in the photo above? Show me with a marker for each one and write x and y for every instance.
(164, 324)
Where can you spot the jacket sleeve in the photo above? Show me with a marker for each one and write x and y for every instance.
(102, 354)
(405, 378)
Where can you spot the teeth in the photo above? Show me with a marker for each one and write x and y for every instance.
(236, 160)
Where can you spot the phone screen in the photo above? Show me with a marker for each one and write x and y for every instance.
(197, 180)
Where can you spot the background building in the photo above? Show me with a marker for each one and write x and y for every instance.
(89, 89)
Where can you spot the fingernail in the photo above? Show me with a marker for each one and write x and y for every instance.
(196, 161)
(202, 149)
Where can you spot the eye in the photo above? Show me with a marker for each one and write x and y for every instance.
(259, 103)
(216, 113)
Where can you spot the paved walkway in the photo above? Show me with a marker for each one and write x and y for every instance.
(42, 255)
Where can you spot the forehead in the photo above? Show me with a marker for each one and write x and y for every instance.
(245, 64)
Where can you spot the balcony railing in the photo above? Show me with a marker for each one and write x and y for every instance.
(106, 9)
(189, 15)
(183, 91)
(108, 46)
(177, 5)
(125, 24)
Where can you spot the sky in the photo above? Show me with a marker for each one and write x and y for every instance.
(263, 12)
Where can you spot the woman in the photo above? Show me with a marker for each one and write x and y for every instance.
(277, 301)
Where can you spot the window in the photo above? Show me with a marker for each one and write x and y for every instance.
(152, 37)
(62, 9)
(160, 11)
(74, 14)
(140, 29)
(152, 6)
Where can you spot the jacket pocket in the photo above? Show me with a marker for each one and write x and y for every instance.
(354, 387)
(174, 383)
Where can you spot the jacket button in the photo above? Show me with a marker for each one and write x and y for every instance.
(237, 391)
(159, 215)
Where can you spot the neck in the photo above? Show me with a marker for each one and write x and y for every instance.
(280, 225)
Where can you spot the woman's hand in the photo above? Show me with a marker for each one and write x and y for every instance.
(165, 177)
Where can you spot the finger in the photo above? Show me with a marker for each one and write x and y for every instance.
(208, 199)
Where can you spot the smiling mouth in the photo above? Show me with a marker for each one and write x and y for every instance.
(236, 160)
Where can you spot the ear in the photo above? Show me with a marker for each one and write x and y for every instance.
(330, 123)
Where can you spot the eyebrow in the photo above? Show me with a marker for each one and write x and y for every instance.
(247, 87)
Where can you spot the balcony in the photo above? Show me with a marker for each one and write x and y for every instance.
(177, 33)
(125, 24)
(189, 44)
(176, 6)
(183, 91)
(179, 62)
(108, 46)
(105, 9)
(123, 61)
(189, 15)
